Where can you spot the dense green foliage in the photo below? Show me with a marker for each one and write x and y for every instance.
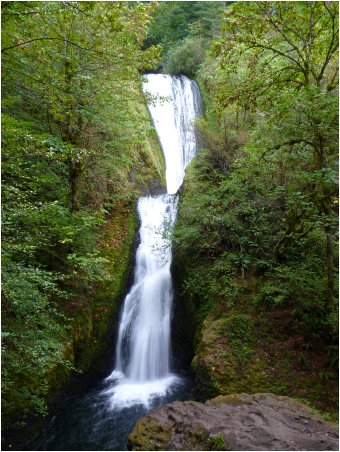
(185, 31)
(78, 148)
(76, 151)
(263, 189)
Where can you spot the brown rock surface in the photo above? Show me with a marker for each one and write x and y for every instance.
(235, 422)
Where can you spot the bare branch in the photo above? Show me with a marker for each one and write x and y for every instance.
(87, 49)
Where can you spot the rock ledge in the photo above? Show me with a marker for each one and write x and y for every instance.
(234, 422)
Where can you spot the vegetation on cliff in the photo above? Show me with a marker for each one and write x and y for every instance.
(185, 31)
(257, 220)
(77, 149)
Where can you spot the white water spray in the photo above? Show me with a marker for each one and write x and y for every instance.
(143, 350)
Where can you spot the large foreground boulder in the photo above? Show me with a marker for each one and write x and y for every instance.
(235, 422)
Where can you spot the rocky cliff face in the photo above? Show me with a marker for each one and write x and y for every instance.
(234, 422)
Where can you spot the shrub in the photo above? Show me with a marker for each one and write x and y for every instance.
(185, 58)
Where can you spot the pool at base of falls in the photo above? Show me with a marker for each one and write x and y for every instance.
(98, 421)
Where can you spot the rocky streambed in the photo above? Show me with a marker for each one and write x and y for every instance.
(235, 422)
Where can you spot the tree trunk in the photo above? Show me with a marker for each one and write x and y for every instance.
(328, 231)
(75, 170)
(330, 270)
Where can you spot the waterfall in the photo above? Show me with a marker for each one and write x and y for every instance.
(143, 351)
(174, 123)
(145, 322)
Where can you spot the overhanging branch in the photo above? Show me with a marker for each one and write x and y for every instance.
(287, 143)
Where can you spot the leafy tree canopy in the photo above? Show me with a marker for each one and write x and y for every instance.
(71, 131)
(184, 30)
(279, 60)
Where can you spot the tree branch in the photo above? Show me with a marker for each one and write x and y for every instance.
(282, 33)
(287, 143)
(254, 44)
(330, 49)
(57, 39)
(26, 42)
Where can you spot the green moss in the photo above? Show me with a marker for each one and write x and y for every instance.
(219, 442)
(220, 369)
(149, 168)
(149, 428)
(202, 440)
(116, 246)
(26, 416)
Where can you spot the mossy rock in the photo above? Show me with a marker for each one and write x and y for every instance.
(235, 422)
(225, 361)
(148, 436)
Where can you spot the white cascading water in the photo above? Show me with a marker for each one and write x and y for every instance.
(143, 350)
(174, 123)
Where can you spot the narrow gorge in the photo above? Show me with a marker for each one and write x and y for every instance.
(143, 376)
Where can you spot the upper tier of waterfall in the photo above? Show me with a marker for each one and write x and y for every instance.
(173, 119)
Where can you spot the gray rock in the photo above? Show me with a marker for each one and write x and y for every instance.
(235, 422)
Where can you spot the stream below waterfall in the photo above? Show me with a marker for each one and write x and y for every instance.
(90, 422)
(142, 378)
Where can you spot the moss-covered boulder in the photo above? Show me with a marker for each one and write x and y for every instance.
(226, 361)
(255, 350)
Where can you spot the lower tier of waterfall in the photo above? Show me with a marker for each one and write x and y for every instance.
(143, 348)
(143, 345)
